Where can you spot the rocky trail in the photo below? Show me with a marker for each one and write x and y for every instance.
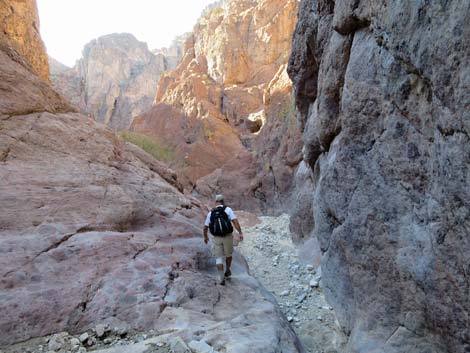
(273, 259)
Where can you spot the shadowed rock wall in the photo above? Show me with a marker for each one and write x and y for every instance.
(383, 92)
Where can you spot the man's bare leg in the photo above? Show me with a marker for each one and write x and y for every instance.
(220, 271)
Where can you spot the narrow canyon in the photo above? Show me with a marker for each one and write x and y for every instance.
(338, 131)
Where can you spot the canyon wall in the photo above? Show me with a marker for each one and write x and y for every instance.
(172, 54)
(94, 230)
(115, 79)
(19, 21)
(383, 93)
(227, 110)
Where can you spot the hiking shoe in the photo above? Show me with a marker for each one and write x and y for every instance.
(228, 274)
(222, 283)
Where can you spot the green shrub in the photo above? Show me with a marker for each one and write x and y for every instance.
(150, 145)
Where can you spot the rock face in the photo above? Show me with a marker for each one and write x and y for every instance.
(19, 21)
(68, 82)
(115, 79)
(174, 52)
(382, 88)
(229, 101)
(94, 231)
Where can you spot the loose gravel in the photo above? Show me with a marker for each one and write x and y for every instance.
(274, 261)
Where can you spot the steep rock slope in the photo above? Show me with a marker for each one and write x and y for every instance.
(115, 79)
(20, 22)
(93, 230)
(383, 91)
(220, 107)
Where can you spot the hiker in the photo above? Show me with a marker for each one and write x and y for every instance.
(219, 221)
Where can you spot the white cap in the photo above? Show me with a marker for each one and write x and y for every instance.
(219, 198)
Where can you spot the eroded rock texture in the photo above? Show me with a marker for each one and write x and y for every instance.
(94, 230)
(383, 91)
(116, 78)
(19, 21)
(226, 110)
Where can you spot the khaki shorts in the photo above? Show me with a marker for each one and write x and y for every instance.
(223, 246)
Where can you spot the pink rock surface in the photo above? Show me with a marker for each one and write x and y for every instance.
(81, 216)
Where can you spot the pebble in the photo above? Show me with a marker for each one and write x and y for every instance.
(74, 342)
(290, 318)
(284, 293)
(314, 283)
(200, 347)
(301, 297)
(83, 337)
(54, 345)
(177, 345)
(100, 330)
(90, 341)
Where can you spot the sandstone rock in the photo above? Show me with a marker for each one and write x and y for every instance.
(19, 22)
(229, 99)
(69, 186)
(16, 78)
(69, 83)
(115, 79)
(382, 89)
(90, 233)
(173, 54)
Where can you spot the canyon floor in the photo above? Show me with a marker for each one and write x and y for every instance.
(274, 260)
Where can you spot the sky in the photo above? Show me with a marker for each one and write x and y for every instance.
(67, 25)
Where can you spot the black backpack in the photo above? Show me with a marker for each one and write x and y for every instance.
(220, 224)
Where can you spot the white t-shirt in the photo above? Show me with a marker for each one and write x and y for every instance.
(228, 211)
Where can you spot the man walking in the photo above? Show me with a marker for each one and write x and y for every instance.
(219, 221)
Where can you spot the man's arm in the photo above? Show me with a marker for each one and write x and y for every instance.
(237, 227)
(206, 237)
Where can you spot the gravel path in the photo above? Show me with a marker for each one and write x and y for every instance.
(273, 260)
